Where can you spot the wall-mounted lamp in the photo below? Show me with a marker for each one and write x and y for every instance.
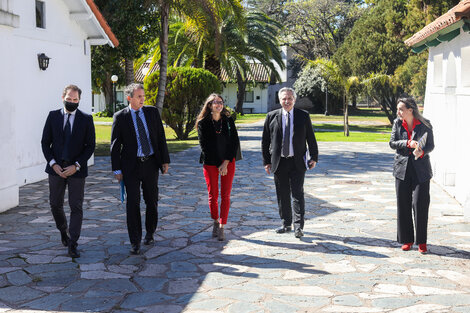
(43, 61)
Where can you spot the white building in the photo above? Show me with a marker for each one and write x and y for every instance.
(63, 30)
(260, 97)
(447, 99)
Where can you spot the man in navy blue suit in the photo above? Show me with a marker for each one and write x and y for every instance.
(68, 141)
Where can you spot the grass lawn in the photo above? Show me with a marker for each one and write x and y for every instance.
(103, 138)
(377, 131)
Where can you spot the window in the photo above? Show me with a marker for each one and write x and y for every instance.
(40, 14)
(249, 96)
(120, 100)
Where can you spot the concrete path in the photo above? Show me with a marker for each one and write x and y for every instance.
(348, 261)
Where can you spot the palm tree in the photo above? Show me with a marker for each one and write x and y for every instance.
(204, 13)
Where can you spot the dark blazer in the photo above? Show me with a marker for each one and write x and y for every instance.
(124, 140)
(303, 135)
(399, 140)
(207, 140)
(82, 142)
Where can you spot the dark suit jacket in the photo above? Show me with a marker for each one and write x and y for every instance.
(82, 142)
(303, 136)
(208, 141)
(399, 140)
(124, 140)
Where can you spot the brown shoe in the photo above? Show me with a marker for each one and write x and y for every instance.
(221, 234)
(215, 229)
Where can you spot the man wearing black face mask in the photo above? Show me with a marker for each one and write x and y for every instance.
(68, 141)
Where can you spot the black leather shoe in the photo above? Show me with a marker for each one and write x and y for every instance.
(135, 249)
(299, 233)
(149, 241)
(65, 238)
(283, 229)
(73, 252)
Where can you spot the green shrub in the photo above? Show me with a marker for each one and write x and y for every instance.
(186, 90)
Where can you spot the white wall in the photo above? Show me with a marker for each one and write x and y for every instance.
(259, 105)
(447, 105)
(28, 93)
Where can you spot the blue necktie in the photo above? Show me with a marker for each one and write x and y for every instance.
(143, 139)
(286, 141)
(67, 135)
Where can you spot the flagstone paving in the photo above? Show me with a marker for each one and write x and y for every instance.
(348, 260)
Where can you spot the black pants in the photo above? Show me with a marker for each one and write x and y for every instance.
(290, 181)
(76, 188)
(412, 197)
(145, 175)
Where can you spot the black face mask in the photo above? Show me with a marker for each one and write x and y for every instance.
(70, 106)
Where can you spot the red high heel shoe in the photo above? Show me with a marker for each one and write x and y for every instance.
(422, 248)
(406, 246)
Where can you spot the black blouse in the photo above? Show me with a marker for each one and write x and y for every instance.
(218, 140)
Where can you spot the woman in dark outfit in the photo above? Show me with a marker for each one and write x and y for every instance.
(412, 171)
(219, 143)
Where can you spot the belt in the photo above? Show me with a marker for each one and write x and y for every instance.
(288, 157)
(65, 163)
(144, 158)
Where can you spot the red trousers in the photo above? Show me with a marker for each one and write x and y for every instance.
(211, 174)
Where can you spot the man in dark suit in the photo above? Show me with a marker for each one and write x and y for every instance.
(138, 151)
(286, 134)
(68, 141)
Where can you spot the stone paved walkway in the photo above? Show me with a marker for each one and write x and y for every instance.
(348, 260)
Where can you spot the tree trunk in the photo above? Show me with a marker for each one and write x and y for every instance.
(212, 64)
(354, 101)
(129, 68)
(107, 90)
(164, 16)
(240, 93)
(346, 117)
(383, 104)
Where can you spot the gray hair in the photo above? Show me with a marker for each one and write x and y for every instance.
(287, 89)
(129, 91)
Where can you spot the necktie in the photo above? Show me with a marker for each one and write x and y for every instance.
(143, 139)
(286, 140)
(67, 135)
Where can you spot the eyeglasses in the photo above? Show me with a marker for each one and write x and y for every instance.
(217, 102)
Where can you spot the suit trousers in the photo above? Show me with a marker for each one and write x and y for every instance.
(211, 174)
(76, 190)
(145, 175)
(412, 197)
(290, 181)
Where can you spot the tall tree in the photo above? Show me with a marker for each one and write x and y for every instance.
(317, 28)
(202, 12)
(133, 24)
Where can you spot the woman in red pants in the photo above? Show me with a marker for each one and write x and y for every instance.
(219, 143)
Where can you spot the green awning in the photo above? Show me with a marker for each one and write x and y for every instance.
(449, 36)
(418, 49)
(432, 43)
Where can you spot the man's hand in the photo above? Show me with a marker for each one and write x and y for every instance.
(311, 164)
(70, 170)
(165, 167)
(118, 177)
(59, 170)
(267, 168)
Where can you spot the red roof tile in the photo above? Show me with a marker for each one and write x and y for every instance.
(454, 15)
(103, 23)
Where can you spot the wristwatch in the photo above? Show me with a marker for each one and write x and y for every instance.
(77, 166)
